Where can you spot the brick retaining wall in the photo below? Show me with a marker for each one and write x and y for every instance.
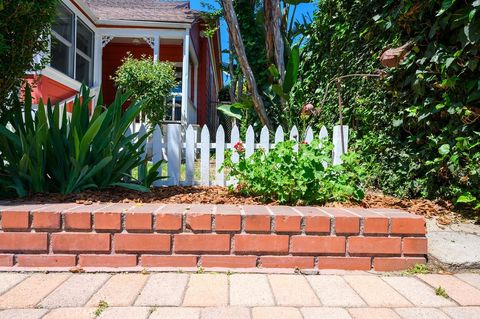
(155, 235)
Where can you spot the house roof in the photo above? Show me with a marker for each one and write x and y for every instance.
(143, 10)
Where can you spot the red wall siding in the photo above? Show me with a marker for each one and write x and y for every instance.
(46, 88)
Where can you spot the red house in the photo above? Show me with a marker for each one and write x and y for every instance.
(90, 38)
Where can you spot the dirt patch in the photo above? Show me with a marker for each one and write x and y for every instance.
(442, 210)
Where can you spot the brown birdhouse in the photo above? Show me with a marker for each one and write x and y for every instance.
(391, 58)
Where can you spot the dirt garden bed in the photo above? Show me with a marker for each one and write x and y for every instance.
(442, 210)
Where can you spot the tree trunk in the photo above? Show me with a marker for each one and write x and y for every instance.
(277, 38)
(233, 78)
(269, 42)
(236, 38)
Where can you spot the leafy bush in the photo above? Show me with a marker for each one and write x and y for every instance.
(418, 129)
(24, 28)
(49, 152)
(147, 80)
(306, 176)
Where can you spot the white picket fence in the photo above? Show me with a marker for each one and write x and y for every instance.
(176, 148)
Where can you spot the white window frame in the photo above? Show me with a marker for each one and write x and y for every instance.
(58, 75)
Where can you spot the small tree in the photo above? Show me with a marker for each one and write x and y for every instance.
(147, 80)
(24, 30)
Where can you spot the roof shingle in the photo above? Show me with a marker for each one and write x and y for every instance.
(143, 10)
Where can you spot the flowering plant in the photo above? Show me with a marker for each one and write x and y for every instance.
(306, 176)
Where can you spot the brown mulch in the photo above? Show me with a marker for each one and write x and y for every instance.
(442, 210)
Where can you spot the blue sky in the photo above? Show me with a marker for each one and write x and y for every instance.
(304, 8)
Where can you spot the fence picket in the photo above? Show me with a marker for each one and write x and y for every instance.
(157, 150)
(234, 139)
(174, 148)
(219, 156)
(249, 142)
(309, 135)
(265, 139)
(189, 154)
(294, 136)
(323, 133)
(205, 157)
(339, 147)
(279, 135)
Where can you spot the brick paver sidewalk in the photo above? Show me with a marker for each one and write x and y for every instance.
(355, 295)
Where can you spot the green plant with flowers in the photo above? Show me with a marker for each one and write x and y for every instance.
(301, 177)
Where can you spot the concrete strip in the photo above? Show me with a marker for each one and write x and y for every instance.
(376, 292)
(76, 291)
(32, 290)
(417, 292)
(456, 289)
(206, 290)
(8, 280)
(463, 312)
(276, 313)
(421, 313)
(175, 313)
(224, 312)
(71, 313)
(250, 290)
(114, 292)
(125, 312)
(325, 313)
(22, 313)
(292, 290)
(373, 313)
(333, 291)
(163, 290)
(454, 250)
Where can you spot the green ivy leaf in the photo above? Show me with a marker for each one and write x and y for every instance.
(466, 198)
(444, 149)
(446, 4)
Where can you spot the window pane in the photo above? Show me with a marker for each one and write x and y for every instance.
(63, 24)
(84, 39)
(83, 70)
(61, 59)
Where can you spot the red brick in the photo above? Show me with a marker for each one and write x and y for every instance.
(6, 260)
(24, 242)
(46, 260)
(15, 220)
(46, 220)
(347, 225)
(408, 226)
(396, 263)
(375, 225)
(78, 221)
(257, 219)
(168, 222)
(107, 260)
(307, 245)
(345, 263)
(374, 245)
(229, 261)
(415, 246)
(138, 222)
(80, 242)
(265, 244)
(108, 221)
(230, 223)
(199, 221)
(202, 243)
(315, 220)
(168, 261)
(287, 224)
(287, 262)
(144, 243)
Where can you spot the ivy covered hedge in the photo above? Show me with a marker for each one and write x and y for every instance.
(418, 127)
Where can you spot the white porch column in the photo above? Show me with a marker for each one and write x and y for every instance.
(156, 48)
(97, 61)
(195, 86)
(185, 77)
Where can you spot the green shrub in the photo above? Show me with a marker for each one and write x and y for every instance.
(418, 129)
(291, 177)
(48, 152)
(24, 30)
(147, 80)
